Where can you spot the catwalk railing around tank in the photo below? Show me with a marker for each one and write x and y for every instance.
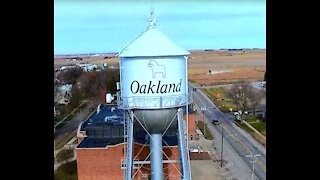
(145, 102)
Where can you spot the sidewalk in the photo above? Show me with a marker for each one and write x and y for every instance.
(200, 168)
(204, 169)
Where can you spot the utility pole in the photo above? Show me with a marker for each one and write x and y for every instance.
(54, 148)
(253, 162)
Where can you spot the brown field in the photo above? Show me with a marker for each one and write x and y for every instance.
(249, 65)
(239, 73)
(58, 62)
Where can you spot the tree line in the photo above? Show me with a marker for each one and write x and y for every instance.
(89, 85)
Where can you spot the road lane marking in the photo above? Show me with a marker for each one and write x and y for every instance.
(233, 175)
(262, 166)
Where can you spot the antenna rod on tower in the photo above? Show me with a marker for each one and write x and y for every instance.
(152, 19)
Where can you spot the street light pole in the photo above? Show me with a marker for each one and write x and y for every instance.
(54, 148)
(221, 143)
(203, 108)
(204, 127)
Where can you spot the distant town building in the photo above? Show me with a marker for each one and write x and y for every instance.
(102, 66)
(88, 67)
(74, 59)
(63, 68)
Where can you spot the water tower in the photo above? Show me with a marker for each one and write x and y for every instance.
(153, 90)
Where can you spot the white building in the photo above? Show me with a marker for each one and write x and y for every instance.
(87, 67)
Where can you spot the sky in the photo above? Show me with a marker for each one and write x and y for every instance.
(98, 26)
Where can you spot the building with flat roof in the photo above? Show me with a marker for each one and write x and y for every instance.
(101, 147)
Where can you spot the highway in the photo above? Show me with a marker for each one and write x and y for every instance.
(240, 142)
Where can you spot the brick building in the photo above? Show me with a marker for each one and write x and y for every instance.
(191, 126)
(101, 149)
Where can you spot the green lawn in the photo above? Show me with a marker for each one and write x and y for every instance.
(259, 125)
(65, 154)
(57, 119)
(65, 110)
(220, 97)
(244, 127)
(67, 171)
(64, 141)
(251, 119)
(208, 134)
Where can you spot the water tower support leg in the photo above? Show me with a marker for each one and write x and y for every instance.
(129, 160)
(182, 148)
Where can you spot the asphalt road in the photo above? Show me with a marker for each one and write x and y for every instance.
(73, 124)
(241, 142)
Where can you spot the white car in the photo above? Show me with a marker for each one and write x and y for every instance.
(238, 113)
(194, 149)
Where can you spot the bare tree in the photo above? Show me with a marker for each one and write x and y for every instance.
(56, 91)
(94, 85)
(234, 92)
(240, 94)
(254, 100)
(76, 97)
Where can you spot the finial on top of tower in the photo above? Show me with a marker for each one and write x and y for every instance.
(152, 19)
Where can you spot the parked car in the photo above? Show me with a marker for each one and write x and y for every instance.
(237, 113)
(194, 150)
(215, 122)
